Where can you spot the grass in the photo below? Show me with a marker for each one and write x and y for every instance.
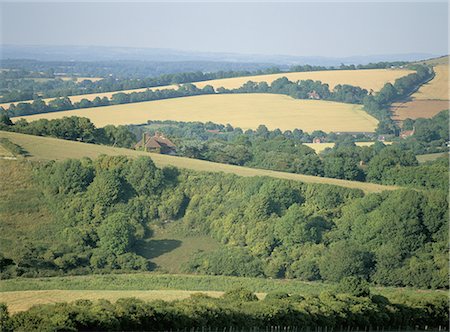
(47, 148)
(4, 152)
(423, 158)
(443, 60)
(368, 78)
(21, 293)
(240, 110)
(169, 249)
(23, 211)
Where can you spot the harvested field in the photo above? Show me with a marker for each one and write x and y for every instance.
(437, 88)
(418, 109)
(429, 100)
(23, 300)
(240, 110)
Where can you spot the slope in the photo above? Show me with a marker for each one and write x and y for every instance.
(56, 149)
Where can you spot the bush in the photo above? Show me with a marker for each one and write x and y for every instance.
(240, 295)
(355, 286)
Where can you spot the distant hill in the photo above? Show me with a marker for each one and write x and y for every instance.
(97, 53)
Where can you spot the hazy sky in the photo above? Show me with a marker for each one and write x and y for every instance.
(320, 28)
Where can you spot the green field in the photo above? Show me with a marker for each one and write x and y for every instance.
(423, 158)
(169, 249)
(56, 149)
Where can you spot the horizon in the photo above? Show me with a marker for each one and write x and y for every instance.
(231, 53)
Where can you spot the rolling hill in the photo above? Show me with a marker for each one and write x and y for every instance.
(366, 78)
(56, 149)
(240, 110)
(430, 99)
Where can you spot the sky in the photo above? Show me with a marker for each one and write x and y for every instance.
(333, 29)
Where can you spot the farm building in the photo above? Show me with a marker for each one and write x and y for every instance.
(313, 95)
(157, 143)
(406, 133)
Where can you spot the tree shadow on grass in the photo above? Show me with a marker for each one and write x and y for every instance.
(155, 248)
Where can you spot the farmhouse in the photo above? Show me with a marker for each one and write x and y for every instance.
(313, 95)
(407, 133)
(157, 143)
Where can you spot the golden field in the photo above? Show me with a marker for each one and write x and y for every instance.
(437, 88)
(240, 110)
(415, 109)
(367, 78)
(23, 300)
(319, 147)
(430, 99)
(47, 148)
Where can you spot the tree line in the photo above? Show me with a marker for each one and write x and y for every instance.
(275, 150)
(378, 105)
(299, 90)
(19, 83)
(285, 151)
(237, 309)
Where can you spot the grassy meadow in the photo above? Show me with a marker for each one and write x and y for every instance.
(48, 148)
(246, 111)
(423, 158)
(169, 248)
(366, 78)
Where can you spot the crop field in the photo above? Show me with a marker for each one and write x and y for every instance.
(240, 110)
(319, 147)
(23, 300)
(415, 109)
(429, 100)
(368, 79)
(21, 293)
(47, 148)
(437, 88)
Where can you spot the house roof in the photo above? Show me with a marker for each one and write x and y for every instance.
(407, 133)
(156, 141)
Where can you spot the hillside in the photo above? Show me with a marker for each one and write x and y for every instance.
(430, 99)
(56, 149)
(367, 78)
(240, 110)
